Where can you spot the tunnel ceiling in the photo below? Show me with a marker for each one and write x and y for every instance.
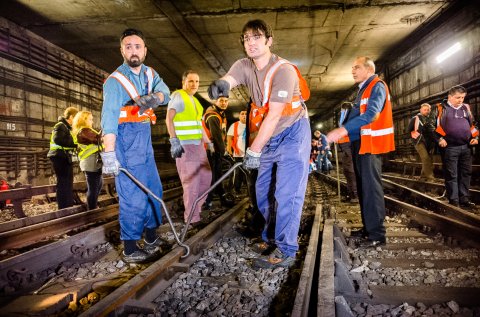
(321, 37)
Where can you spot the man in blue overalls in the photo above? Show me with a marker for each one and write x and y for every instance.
(129, 96)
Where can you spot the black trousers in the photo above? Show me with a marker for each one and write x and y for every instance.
(238, 176)
(94, 186)
(215, 161)
(457, 169)
(348, 170)
(64, 171)
(368, 173)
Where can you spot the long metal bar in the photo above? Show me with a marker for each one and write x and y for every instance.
(167, 214)
(194, 206)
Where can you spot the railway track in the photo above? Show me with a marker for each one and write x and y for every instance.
(429, 266)
(145, 289)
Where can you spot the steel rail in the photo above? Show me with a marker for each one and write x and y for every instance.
(22, 237)
(138, 291)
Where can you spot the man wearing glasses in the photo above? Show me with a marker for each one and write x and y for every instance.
(456, 134)
(279, 144)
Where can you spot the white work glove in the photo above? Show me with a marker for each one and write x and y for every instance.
(176, 149)
(110, 163)
(251, 160)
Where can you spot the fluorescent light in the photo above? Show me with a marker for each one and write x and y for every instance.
(449, 52)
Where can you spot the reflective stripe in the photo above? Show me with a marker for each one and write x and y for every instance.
(126, 83)
(376, 132)
(268, 79)
(296, 104)
(364, 101)
(149, 73)
(123, 114)
(187, 132)
(186, 123)
(87, 150)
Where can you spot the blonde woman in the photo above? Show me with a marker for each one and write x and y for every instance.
(89, 147)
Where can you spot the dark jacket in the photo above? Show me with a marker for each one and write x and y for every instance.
(426, 128)
(61, 136)
(216, 130)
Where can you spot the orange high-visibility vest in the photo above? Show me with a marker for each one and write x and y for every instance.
(377, 136)
(130, 113)
(345, 139)
(223, 122)
(258, 112)
(439, 128)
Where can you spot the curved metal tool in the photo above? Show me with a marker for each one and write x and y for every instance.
(190, 215)
(139, 184)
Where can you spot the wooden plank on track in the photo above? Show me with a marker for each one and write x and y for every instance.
(326, 283)
(302, 299)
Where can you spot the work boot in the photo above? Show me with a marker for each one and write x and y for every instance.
(154, 247)
(227, 200)
(139, 256)
(276, 259)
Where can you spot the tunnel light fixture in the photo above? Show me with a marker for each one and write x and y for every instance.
(449, 52)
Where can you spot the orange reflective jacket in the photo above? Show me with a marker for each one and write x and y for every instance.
(258, 112)
(130, 113)
(377, 136)
(223, 122)
(439, 128)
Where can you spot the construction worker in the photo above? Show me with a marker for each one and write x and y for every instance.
(370, 130)
(281, 147)
(346, 156)
(62, 147)
(90, 145)
(456, 134)
(215, 125)
(187, 139)
(129, 96)
(421, 128)
(236, 140)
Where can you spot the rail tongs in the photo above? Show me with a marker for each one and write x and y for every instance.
(190, 215)
(139, 184)
(177, 239)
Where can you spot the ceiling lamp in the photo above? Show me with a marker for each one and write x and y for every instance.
(449, 52)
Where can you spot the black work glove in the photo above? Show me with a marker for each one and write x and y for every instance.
(218, 88)
(148, 101)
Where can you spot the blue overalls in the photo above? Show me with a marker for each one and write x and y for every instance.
(282, 182)
(134, 151)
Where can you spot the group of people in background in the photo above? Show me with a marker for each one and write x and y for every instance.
(275, 149)
(452, 132)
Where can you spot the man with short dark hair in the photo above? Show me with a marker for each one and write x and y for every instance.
(281, 140)
(129, 96)
(455, 134)
(187, 139)
(346, 156)
(215, 125)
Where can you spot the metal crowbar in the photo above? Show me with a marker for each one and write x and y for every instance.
(139, 184)
(190, 215)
